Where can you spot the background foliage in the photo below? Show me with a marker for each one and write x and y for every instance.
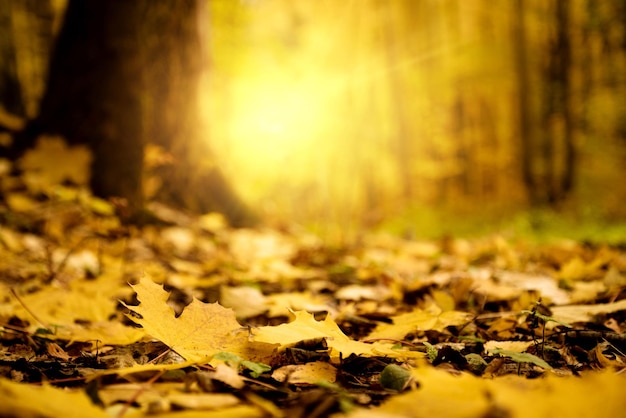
(362, 110)
(405, 114)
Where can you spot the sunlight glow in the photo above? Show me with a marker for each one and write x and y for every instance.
(271, 122)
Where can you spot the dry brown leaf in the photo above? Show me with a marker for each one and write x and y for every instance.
(228, 375)
(308, 373)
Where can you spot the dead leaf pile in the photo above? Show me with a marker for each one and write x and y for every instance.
(187, 315)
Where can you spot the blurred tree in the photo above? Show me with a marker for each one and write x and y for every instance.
(26, 28)
(557, 118)
(546, 131)
(10, 89)
(126, 74)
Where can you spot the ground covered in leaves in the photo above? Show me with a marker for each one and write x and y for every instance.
(186, 317)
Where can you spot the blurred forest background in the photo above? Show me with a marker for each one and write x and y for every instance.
(419, 116)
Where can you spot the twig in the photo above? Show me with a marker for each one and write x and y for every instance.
(372, 340)
(163, 354)
(46, 326)
(139, 392)
(616, 349)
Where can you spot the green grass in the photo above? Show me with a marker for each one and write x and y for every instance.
(536, 225)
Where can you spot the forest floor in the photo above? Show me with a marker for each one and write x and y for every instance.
(186, 317)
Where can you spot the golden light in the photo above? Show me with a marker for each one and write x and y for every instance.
(300, 110)
(272, 123)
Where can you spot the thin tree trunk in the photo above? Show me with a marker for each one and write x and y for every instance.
(394, 76)
(557, 115)
(524, 116)
(10, 90)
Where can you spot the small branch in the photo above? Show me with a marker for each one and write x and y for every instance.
(46, 326)
(136, 395)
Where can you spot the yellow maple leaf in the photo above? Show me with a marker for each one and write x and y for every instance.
(201, 331)
(106, 332)
(305, 327)
(42, 168)
(419, 320)
(17, 399)
(80, 313)
(466, 396)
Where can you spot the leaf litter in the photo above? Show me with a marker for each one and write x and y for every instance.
(187, 317)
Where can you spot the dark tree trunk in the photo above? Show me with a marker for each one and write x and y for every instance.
(10, 90)
(525, 121)
(124, 74)
(557, 118)
(547, 144)
(93, 94)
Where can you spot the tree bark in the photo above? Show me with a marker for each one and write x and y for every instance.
(124, 74)
(93, 94)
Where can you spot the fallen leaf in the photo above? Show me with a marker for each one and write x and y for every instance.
(308, 373)
(441, 394)
(515, 346)
(201, 331)
(42, 168)
(305, 327)
(204, 401)
(18, 400)
(239, 411)
(228, 375)
(280, 304)
(584, 313)
(358, 292)
(246, 301)
(80, 313)
(419, 320)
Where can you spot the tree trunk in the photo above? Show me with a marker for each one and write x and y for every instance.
(525, 119)
(124, 74)
(557, 113)
(26, 28)
(547, 149)
(10, 90)
(93, 94)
